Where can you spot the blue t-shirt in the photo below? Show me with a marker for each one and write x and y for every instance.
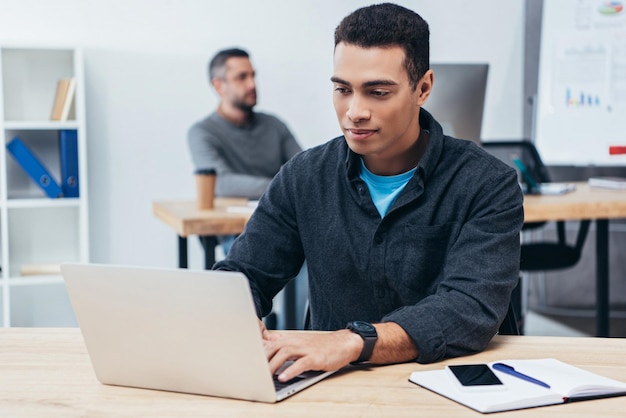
(384, 189)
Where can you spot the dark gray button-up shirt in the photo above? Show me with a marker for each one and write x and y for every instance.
(442, 262)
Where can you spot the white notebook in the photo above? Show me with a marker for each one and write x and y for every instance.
(617, 183)
(567, 383)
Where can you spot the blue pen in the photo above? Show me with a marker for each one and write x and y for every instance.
(504, 368)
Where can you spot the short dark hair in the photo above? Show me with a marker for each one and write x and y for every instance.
(386, 25)
(218, 62)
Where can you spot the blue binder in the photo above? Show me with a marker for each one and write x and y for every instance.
(68, 151)
(34, 168)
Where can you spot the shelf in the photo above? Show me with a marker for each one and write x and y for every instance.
(29, 79)
(39, 125)
(44, 143)
(69, 202)
(35, 280)
(37, 232)
(49, 235)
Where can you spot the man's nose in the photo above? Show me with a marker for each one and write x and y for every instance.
(358, 109)
(251, 83)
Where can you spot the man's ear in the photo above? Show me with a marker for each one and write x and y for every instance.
(424, 87)
(217, 84)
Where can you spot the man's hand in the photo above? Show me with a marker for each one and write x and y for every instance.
(265, 333)
(310, 351)
(328, 351)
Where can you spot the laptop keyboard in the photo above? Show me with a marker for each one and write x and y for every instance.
(281, 385)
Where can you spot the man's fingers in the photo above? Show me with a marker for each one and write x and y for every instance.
(327, 351)
(271, 335)
(296, 368)
(277, 355)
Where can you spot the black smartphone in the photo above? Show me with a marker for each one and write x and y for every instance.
(475, 377)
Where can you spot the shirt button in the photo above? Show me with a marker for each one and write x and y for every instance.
(361, 190)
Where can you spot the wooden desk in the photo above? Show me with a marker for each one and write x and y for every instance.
(585, 203)
(46, 372)
(186, 219)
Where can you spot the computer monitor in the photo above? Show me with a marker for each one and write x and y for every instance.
(458, 98)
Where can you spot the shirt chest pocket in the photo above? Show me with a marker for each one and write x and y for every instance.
(416, 255)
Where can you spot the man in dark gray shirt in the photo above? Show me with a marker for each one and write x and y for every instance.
(411, 236)
(246, 148)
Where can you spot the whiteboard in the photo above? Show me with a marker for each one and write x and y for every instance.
(581, 96)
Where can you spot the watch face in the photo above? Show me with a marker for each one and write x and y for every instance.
(363, 326)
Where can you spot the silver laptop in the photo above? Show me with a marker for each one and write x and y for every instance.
(176, 330)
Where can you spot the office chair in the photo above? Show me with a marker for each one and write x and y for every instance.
(546, 255)
(510, 324)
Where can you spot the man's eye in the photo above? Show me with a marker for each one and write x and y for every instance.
(379, 93)
(342, 90)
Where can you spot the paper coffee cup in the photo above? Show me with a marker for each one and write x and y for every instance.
(205, 188)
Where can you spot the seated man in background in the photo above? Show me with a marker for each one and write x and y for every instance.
(244, 147)
(412, 237)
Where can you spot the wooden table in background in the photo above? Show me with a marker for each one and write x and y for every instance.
(46, 372)
(592, 203)
(186, 220)
(584, 203)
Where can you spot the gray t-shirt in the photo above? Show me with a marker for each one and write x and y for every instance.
(246, 158)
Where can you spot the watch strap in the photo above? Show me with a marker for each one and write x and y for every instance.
(368, 333)
(368, 349)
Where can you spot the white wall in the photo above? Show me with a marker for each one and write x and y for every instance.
(145, 71)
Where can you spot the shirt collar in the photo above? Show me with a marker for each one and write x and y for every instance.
(429, 161)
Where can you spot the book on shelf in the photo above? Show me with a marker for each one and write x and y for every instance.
(68, 152)
(34, 168)
(41, 269)
(566, 383)
(618, 183)
(63, 99)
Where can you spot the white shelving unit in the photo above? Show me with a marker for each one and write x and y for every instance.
(36, 230)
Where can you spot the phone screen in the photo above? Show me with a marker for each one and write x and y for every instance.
(475, 375)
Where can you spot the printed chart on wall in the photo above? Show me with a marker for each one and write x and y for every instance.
(581, 100)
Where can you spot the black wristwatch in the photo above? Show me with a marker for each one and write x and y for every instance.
(369, 335)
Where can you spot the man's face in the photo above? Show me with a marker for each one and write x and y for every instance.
(377, 109)
(237, 87)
